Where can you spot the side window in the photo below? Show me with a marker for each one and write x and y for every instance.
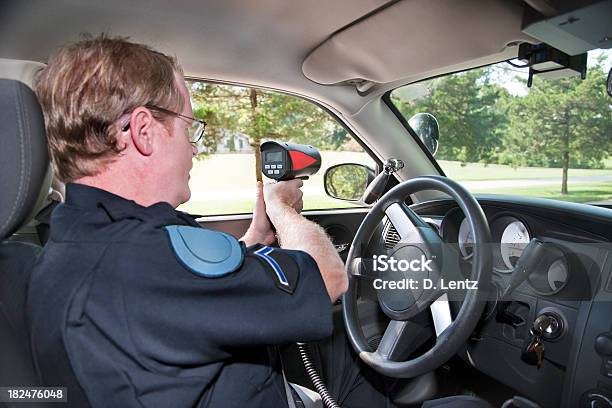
(239, 118)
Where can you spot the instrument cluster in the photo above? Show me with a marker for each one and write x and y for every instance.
(510, 236)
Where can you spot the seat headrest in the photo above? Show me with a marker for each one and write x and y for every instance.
(24, 160)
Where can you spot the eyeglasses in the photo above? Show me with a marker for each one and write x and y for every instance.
(196, 128)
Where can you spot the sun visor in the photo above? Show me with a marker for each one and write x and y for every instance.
(416, 36)
(574, 31)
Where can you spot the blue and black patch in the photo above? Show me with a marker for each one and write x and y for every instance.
(211, 254)
(286, 272)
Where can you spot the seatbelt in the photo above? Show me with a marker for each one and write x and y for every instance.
(290, 399)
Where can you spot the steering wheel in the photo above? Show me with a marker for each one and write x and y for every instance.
(418, 241)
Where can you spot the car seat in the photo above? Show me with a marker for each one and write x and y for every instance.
(25, 178)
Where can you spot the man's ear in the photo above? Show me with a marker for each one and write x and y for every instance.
(142, 130)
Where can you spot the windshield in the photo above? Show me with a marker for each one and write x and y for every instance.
(498, 136)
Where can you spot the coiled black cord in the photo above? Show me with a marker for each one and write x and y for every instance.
(311, 370)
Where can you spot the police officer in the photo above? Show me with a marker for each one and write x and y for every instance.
(132, 303)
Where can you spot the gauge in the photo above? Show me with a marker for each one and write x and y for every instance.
(513, 241)
(557, 275)
(465, 239)
(553, 276)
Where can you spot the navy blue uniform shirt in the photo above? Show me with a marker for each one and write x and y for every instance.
(120, 321)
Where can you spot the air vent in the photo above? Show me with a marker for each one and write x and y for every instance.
(390, 235)
(374, 342)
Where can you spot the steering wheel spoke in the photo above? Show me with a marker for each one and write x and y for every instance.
(362, 268)
(389, 346)
(441, 314)
(402, 338)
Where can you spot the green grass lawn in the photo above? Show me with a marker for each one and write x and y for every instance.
(479, 171)
(578, 193)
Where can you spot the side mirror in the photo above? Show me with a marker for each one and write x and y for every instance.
(425, 125)
(348, 181)
(609, 83)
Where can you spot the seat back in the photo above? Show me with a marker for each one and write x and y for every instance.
(16, 261)
(24, 166)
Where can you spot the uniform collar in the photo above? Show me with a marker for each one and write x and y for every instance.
(87, 197)
(118, 208)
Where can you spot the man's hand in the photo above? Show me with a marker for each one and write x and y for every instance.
(260, 231)
(283, 205)
(283, 196)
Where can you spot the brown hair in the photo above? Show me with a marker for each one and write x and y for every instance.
(87, 86)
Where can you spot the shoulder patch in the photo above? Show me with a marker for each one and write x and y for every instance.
(284, 267)
(207, 253)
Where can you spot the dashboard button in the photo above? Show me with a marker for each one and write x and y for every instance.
(606, 369)
(603, 344)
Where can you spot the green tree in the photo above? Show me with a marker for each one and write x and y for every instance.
(264, 115)
(467, 106)
(561, 123)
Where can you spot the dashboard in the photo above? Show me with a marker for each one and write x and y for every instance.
(571, 281)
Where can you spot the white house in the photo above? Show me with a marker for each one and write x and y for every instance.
(233, 142)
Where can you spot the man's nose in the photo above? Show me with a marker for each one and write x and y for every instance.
(194, 148)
